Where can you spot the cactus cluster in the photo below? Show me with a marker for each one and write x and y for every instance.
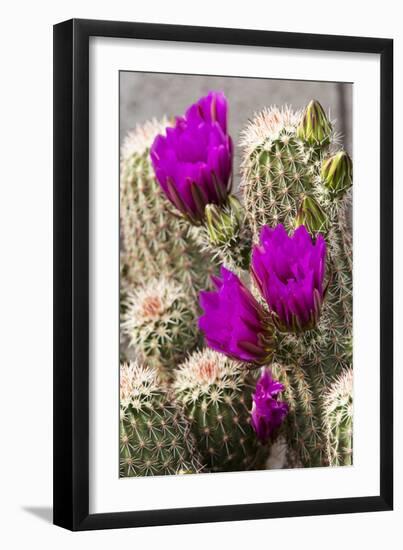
(290, 176)
(282, 304)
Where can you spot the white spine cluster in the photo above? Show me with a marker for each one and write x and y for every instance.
(160, 322)
(139, 140)
(268, 125)
(137, 384)
(208, 374)
(158, 301)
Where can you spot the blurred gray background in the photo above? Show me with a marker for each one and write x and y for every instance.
(147, 95)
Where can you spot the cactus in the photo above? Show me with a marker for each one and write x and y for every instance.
(216, 394)
(154, 436)
(160, 322)
(155, 239)
(285, 155)
(339, 420)
(189, 410)
(276, 176)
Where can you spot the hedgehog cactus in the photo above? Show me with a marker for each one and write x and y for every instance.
(290, 176)
(282, 302)
(155, 240)
(154, 436)
(216, 394)
(160, 322)
(339, 420)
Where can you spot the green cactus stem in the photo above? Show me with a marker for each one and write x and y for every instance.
(339, 420)
(307, 364)
(155, 438)
(276, 176)
(216, 394)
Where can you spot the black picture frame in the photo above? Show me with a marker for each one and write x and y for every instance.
(71, 274)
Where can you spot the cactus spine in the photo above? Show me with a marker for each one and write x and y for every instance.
(282, 183)
(155, 240)
(160, 322)
(339, 420)
(154, 436)
(216, 394)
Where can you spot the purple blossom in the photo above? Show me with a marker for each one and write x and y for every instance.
(233, 322)
(193, 161)
(267, 412)
(289, 272)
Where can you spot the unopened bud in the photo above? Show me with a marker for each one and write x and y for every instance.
(315, 128)
(337, 173)
(312, 216)
(223, 223)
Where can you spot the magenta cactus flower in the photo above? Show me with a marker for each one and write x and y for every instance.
(234, 323)
(289, 272)
(193, 161)
(268, 413)
(211, 109)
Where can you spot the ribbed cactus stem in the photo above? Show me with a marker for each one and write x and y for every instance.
(276, 180)
(216, 394)
(155, 438)
(339, 420)
(306, 365)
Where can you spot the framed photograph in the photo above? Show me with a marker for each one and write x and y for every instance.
(223, 240)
